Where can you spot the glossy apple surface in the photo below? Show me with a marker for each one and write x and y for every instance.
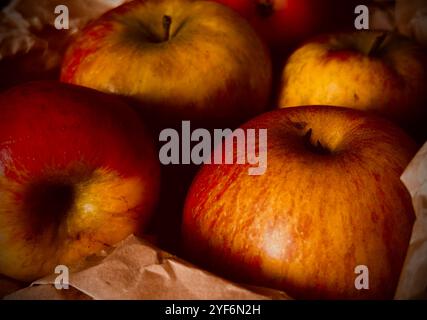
(181, 59)
(78, 173)
(330, 200)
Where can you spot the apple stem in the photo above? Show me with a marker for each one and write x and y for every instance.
(167, 21)
(315, 147)
(379, 40)
(307, 135)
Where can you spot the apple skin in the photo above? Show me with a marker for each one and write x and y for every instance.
(283, 23)
(78, 173)
(212, 68)
(336, 69)
(315, 214)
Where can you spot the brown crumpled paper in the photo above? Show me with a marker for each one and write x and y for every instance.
(22, 23)
(411, 19)
(31, 48)
(136, 269)
(408, 17)
(413, 279)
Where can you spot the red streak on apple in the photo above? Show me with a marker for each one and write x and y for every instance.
(338, 55)
(85, 47)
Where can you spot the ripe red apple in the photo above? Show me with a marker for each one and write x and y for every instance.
(374, 71)
(78, 173)
(330, 200)
(283, 23)
(182, 59)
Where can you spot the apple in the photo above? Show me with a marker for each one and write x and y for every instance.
(330, 200)
(374, 71)
(283, 23)
(78, 173)
(180, 59)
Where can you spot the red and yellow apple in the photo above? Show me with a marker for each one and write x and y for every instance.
(78, 173)
(283, 23)
(373, 71)
(181, 59)
(330, 200)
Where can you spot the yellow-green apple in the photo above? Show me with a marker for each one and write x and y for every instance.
(368, 70)
(181, 59)
(78, 173)
(283, 23)
(330, 200)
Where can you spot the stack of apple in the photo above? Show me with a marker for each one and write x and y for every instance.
(78, 169)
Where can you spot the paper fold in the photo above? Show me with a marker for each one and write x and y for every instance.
(136, 269)
(413, 280)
